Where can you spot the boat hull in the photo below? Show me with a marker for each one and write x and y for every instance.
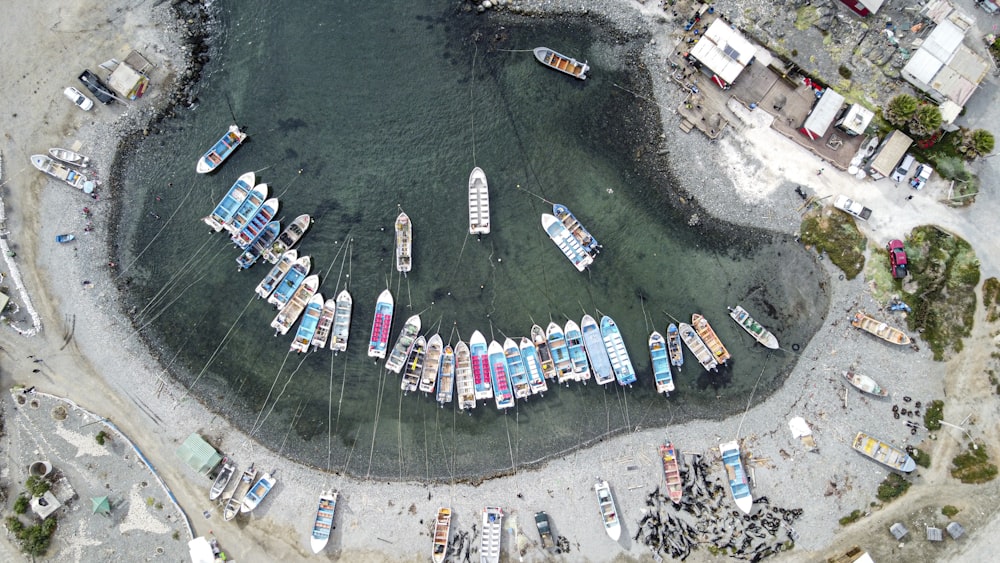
(736, 476)
(378, 342)
(609, 512)
(479, 203)
(323, 524)
(883, 452)
(888, 333)
(221, 150)
(562, 63)
(753, 328)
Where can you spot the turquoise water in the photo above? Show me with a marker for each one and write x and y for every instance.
(354, 114)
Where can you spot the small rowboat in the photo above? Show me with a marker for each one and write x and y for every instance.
(609, 512)
(222, 479)
(674, 346)
(865, 384)
(442, 528)
(463, 377)
(65, 238)
(323, 524)
(672, 472)
(661, 363)
(753, 328)
(221, 150)
(562, 63)
(708, 336)
(880, 329)
(883, 452)
(70, 157)
(737, 476)
(697, 347)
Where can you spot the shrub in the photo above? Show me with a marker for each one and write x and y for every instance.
(854, 516)
(894, 486)
(14, 525)
(973, 465)
(21, 504)
(37, 486)
(100, 437)
(934, 415)
(844, 72)
(949, 511)
(922, 458)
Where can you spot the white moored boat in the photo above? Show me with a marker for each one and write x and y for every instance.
(479, 203)
(342, 322)
(404, 243)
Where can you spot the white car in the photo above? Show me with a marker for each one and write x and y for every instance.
(78, 98)
(899, 174)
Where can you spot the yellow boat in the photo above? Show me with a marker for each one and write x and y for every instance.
(880, 329)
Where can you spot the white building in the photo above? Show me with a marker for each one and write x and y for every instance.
(724, 52)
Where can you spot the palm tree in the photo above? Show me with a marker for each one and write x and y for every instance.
(981, 143)
(926, 120)
(901, 109)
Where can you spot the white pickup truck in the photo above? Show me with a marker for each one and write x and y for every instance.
(848, 205)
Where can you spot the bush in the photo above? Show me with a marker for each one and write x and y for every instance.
(922, 458)
(14, 525)
(854, 516)
(844, 72)
(37, 486)
(934, 415)
(21, 504)
(100, 437)
(949, 511)
(973, 465)
(893, 487)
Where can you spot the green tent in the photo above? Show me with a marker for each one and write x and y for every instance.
(199, 454)
(100, 505)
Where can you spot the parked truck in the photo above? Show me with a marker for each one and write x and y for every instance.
(544, 531)
(848, 205)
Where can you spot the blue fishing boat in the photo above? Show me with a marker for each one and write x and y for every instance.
(263, 240)
(613, 343)
(674, 349)
(479, 354)
(560, 352)
(566, 242)
(516, 370)
(736, 476)
(661, 363)
(323, 524)
(600, 363)
(403, 344)
(291, 312)
(501, 383)
(247, 209)
(257, 492)
(223, 212)
(532, 365)
(221, 150)
(541, 343)
(577, 354)
(581, 234)
(378, 343)
(414, 365)
(256, 224)
(310, 320)
(290, 283)
(278, 271)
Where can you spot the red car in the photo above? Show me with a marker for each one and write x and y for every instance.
(897, 259)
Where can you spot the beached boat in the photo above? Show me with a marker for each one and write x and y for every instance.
(442, 528)
(290, 283)
(541, 343)
(278, 271)
(246, 211)
(708, 336)
(222, 479)
(697, 347)
(753, 328)
(498, 373)
(290, 313)
(562, 63)
(567, 243)
(310, 320)
(70, 157)
(58, 171)
(621, 363)
(65, 237)
(865, 383)
(414, 365)
(672, 472)
(479, 203)
(533, 367)
(323, 524)
(577, 353)
(404, 343)
(236, 500)
(256, 224)
(880, 329)
(609, 512)
(464, 386)
(224, 211)
(884, 453)
(661, 363)
(578, 231)
(674, 346)
(600, 362)
(516, 370)
(264, 239)
(342, 321)
(489, 544)
(446, 379)
(221, 150)
(404, 243)
(480, 356)
(432, 364)
(288, 237)
(736, 476)
(378, 342)
(560, 352)
(322, 333)
(257, 493)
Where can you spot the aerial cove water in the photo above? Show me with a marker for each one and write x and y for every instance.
(359, 111)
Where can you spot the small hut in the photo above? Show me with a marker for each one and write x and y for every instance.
(100, 505)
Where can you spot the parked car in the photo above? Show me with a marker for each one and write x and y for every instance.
(544, 531)
(921, 176)
(897, 259)
(81, 101)
(96, 87)
(848, 205)
(903, 169)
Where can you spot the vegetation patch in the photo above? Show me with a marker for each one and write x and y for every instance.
(991, 299)
(945, 272)
(835, 233)
(101, 436)
(934, 415)
(922, 458)
(851, 518)
(893, 487)
(37, 486)
(973, 465)
(805, 17)
(949, 511)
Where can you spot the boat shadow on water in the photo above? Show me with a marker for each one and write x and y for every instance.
(718, 379)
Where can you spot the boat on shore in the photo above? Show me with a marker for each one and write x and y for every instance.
(248, 209)
(502, 393)
(432, 364)
(674, 346)
(753, 328)
(621, 363)
(257, 493)
(609, 512)
(401, 350)
(404, 243)
(489, 543)
(58, 171)
(256, 224)
(533, 367)
(560, 353)
(577, 353)
(310, 320)
(446, 379)
(290, 313)
(323, 524)
(479, 203)
(70, 157)
(883, 452)
(322, 333)
(224, 211)
(600, 362)
(573, 225)
(864, 383)
(541, 343)
(480, 356)
(279, 270)
(567, 243)
(736, 476)
(236, 500)
(442, 529)
(516, 370)
(414, 365)
(562, 63)
(378, 342)
(464, 386)
(661, 363)
(288, 237)
(65, 237)
(263, 240)
(342, 321)
(672, 472)
(222, 479)
(711, 340)
(888, 333)
(221, 150)
(697, 347)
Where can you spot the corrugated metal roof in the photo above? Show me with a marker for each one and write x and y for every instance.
(890, 153)
(969, 64)
(953, 86)
(199, 454)
(824, 112)
(872, 5)
(944, 40)
(922, 67)
(723, 50)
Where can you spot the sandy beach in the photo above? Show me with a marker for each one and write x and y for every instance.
(92, 355)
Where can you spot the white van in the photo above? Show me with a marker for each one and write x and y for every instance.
(904, 168)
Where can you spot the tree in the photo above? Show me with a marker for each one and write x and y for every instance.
(926, 120)
(901, 109)
(981, 142)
